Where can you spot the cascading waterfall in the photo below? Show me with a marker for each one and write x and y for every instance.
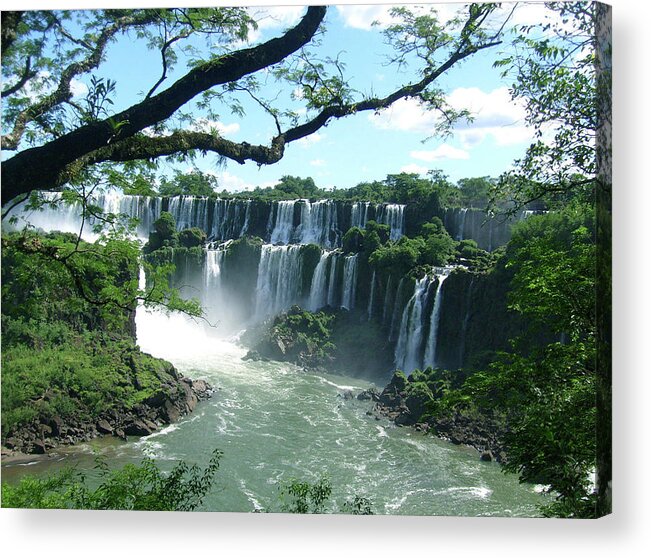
(66, 217)
(396, 311)
(462, 225)
(359, 214)
(350, 282)
(227, 222)
(392, 214)
(387, 294)
(332, 280)
(369, 311)
(279, 280)
(464, 324)
(224, 219)
(319, 287)
(212, 298)
(318, 223)
(430, 350)
(284, 222)
(410, 340)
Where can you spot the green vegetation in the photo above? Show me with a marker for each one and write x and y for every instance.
(546, 394)
(434, 246)
(192, 237)
(304, 497)
(146, 487)
(329, 339)
(194, 183)
(299, 336)
(67, 331)
(298, 496)
(134, 487)
(165, 235)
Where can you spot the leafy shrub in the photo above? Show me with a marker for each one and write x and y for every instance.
(190, 238)
(134, 487)
(353, 240)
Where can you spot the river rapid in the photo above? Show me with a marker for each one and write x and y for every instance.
(275, 422)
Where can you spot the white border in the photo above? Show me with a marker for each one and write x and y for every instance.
(109, 534)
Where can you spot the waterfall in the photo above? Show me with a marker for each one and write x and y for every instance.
(430, 350)
(284, 223)
(181, 208)
(212, 298)
(279, 280)
(247, 218)
(359, 214)
(464, 324)
(460, 231)
(57, 215)
(227, 221)
(387, 294)
(349, 283)
(392, 214)
(332, 281)
(369, 311)
(318, 223)
(319, 287)
(396, 310)
(213, 267)
(410, 340)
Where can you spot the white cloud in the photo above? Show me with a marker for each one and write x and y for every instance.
(363, 16)
(307, 141)
(270, 17)
(233, 183)
(414, 169)
(444, 151)
(405, 115)
(206, 125)
(78, 88)
(318, 163)
(495, 114)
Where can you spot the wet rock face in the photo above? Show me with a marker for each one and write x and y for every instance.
(406, 406)
(175, 399)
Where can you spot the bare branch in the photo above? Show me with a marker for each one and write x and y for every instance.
(28, 74)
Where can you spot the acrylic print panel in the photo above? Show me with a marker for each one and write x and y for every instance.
(348, 320)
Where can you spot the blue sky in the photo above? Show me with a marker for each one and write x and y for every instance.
(366, 146)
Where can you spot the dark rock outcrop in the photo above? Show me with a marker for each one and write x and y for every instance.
(174, 399)
(406, 406)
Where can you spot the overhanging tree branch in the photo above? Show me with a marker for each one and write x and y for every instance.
(144, 147)
(63, 92)
(44, 167)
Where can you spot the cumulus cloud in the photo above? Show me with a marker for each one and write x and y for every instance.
(78, 88)
(270, 17)
(318, 163)
(233, 183)
(206, 125)
(363, 16)
(405, 115)
(495, 114)
(442, 152)
(414, 169)
(307, 141)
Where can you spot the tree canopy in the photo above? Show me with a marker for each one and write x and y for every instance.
(57, 139)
